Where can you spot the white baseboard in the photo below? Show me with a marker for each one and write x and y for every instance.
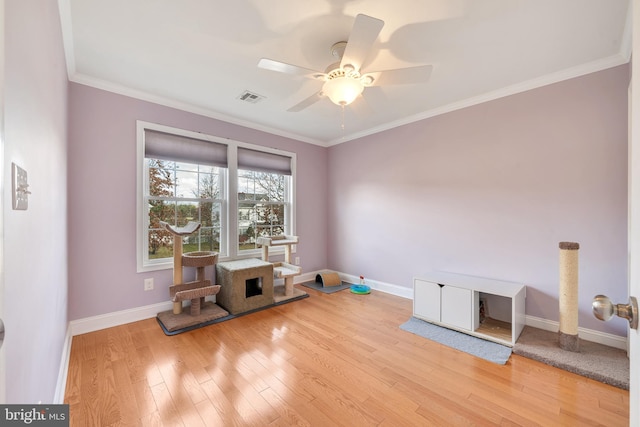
(585, 334)
(61, 385)
(108, 320)
(117, 318)
(388, 288)
(306, 277)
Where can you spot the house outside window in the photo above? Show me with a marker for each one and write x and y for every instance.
(264, 196)
(187, 176)
(262, 206)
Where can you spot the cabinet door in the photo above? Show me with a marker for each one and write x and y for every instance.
(426, 300)
(457, 308)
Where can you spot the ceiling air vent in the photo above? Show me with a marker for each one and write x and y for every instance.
(251, 97)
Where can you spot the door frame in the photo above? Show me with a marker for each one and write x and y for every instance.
(633, 337)
(2, 193)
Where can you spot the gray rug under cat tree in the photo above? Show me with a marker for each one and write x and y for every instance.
(602, 363)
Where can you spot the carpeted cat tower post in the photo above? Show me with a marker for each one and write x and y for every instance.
(201, 311)
(568, 296)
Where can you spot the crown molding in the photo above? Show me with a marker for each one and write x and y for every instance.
(567, 74)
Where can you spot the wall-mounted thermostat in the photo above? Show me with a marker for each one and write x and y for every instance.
(19, 188)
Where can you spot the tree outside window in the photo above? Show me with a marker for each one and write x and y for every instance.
(179, 193)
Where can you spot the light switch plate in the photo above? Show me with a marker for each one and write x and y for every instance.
(19, 188)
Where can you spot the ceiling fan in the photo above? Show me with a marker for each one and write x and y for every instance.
(344, 81)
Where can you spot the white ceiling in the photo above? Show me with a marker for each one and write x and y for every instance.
(200, 55)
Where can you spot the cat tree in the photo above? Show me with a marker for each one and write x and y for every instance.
(199, 289)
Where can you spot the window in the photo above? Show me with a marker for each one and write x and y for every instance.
(262, 206)
(178, 193)
(187, 176)
(263, 196)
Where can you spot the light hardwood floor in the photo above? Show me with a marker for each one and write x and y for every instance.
(327, 360)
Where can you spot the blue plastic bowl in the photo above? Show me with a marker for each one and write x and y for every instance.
(360, 289)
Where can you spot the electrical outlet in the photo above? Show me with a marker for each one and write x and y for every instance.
(148, 284)
(297, 260)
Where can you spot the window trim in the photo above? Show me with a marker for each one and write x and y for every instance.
(229, 208)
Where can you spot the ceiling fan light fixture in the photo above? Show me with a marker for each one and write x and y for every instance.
(367, 80)
(348, 69)
(342, 90)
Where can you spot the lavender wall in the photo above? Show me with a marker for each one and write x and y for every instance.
(102, 198)
(35, 240)
(490, 191)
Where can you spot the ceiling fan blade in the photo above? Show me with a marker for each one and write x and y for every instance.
(363, 34)
(283, 67)
(306, 102)
(402, 76)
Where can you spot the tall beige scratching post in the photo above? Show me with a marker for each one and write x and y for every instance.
(568, 333)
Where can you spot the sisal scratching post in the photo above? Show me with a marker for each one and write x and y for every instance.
(177, 269)
(568, 334)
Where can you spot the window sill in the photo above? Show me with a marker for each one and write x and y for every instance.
(256, 253)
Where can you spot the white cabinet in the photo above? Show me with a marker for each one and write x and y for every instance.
(490, 309)
(445, 304)
(458, 307)
(426, 301)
